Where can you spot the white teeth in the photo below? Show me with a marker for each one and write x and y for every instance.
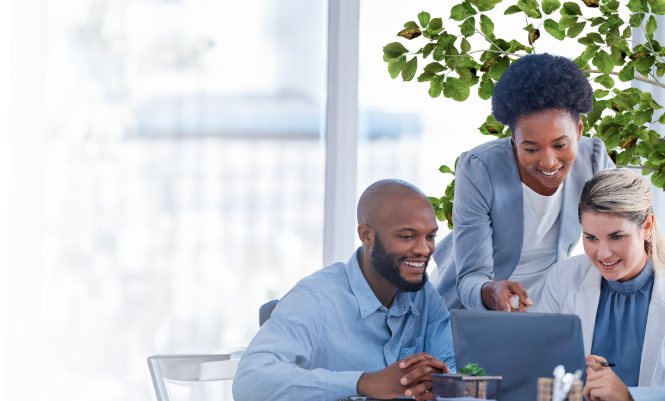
(611, 263)
(552, 173)
(412, 264)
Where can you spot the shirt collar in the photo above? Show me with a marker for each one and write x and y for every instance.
(636, 284)
(367, 301)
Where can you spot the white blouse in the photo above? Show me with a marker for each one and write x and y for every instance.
(541, 231)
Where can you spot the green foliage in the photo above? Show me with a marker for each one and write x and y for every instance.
(464, 51)
(473, 369)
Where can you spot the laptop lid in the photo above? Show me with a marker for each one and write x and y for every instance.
(521, 347)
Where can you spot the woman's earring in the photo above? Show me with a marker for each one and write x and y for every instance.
(649, 239)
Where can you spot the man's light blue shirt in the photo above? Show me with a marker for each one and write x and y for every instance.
(330, 329)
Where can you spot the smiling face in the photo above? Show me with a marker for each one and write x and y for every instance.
(546, 146)
(403, 242)
(615, 244)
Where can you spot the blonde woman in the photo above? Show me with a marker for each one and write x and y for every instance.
(618, 288)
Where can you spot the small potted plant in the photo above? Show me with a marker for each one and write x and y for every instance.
(475, 388)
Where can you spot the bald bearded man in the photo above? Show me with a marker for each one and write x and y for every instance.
(373, 326)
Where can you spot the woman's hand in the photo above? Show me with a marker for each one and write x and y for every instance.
(602, 384)
(499, 295)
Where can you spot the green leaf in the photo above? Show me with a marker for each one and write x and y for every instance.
(530, 8)
(486, 25)
(598, 93)
(576, 29)
(566, 21)
(426, 76)
(493, 127)
(570, 8)
(636, 20)
(465, 46)
(657, 157)
(394, 49)
(456, 89)
(428, 49)
(658, 180)
(643, 116)
(467, 76)
(445, 169)
(473, 369)
(643, 64)
(635, 6)
(589, 52)
(651, 26)
(627, 73)
(512, 10)
(657, 6)
(468, 27)
(550, 6)
(605, 80)
(395, 66)
(485, 5)
(486, 89)
(597, 21)
(435, 67)
(409, 69)
(462, 11)
(498, 68)
(435, 24)
(436, 86)
(423, 18)
(411, 24)
(603, 61)
(611, 6)
(553, 29)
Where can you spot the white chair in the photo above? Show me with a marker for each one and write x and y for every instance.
(191, 368)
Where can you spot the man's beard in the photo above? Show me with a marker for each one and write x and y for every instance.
(385, 264)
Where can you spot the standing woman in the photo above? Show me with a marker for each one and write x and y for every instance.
(618, 288)
(516, 198)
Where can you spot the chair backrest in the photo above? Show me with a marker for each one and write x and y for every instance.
(266, 310)
(191, 368)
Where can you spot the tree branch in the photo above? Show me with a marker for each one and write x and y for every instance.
(478, 51)
(645, 80)
(474, 27)
(637, 167)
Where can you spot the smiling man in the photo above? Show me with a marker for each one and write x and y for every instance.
(373, 326)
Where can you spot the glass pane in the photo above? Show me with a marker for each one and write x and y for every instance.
(184, 181)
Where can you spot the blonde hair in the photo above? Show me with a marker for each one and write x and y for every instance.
(623, 193)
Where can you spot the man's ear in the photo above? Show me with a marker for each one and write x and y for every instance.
(366, 234)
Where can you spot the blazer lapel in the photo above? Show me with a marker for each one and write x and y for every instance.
(586, 305)
(655, 332)
(569, 226)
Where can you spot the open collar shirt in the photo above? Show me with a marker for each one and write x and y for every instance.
(330, 329)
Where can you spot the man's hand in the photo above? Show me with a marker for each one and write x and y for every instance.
(499, 295)
(602, 384)
(410, 377)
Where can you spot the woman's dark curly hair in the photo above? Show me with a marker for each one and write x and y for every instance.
(539, 82)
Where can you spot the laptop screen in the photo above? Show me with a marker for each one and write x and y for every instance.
(521, 347)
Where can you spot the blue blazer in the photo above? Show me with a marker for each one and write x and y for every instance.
(488, 218)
